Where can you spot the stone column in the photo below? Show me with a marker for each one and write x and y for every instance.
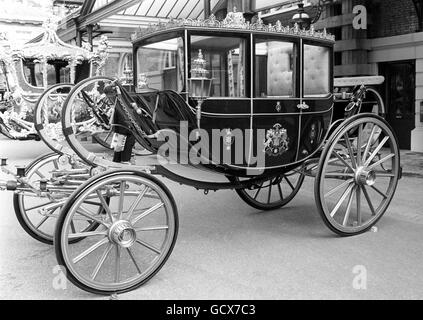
(417, 133)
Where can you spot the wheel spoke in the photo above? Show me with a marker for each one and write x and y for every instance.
(289, 182)
(56, 165)
(108, 135)
(339, 175)
(374, 165)
(93, 203)
(90, 250)
(136, 202)
(270, 192)
(350, 150)
(72, 225)
(38, 226)
(86, 234)
(117, 264)
(101, 261)
(146, 213)
(366, 151)
(258, 191)
(380, 192)
(384, 175)
(39, 206)
(149, 246)
(131, 254)
(359, 144)
(152, 228)
(121, 199)
(358, 200)
(105, 205)
(341, 200)
(348, 211)
(376, 151)
(343, 161)
(280, 191)
(369, 201)
(40, 174)
(334, 190)
(90, 216)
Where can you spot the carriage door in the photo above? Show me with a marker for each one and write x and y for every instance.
(276, 96)
(400, 99)
(226, 115)
(317, 94)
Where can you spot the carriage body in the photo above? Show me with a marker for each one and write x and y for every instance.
(270, 100)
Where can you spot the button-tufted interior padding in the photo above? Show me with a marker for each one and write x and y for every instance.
(316, 70)
(279, 72)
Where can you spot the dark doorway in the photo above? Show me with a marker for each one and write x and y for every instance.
(399, 91)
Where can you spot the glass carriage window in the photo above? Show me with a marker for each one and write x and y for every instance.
(2, 74)
(226, 59)
(33, 73)
(316, 71)
(275, 63)
(57, 72)
(163, 64)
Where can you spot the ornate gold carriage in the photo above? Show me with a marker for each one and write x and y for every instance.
(27, 72)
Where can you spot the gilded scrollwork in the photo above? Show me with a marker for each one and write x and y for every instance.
(235, 20)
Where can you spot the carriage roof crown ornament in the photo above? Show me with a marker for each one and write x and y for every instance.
(51, 47)
(235, 21)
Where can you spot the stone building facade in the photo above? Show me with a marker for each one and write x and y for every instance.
(392, 46)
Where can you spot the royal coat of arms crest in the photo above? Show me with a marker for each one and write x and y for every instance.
(277, 141)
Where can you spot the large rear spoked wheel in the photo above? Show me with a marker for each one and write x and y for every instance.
(137, 232)
(86, 119)
(47, 119)
(357, 175)
(275, 193)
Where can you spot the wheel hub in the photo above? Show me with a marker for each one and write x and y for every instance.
(365, 177)
(123, 234)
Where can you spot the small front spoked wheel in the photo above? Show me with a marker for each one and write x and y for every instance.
(38, 215)
(137, 232)
(357, 175)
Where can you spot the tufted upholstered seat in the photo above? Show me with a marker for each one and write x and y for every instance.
(316, 70)
(279, 72)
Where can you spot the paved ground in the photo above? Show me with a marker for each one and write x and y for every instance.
(227, 250)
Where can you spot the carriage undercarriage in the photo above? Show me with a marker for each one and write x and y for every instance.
(115, 206)
(97, 196)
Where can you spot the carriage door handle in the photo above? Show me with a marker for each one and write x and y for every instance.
(303, 106)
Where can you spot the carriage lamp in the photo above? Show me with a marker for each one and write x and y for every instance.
(199, 84)
(128, 75)
(142, 83)
(3, 162)
(301, 18)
